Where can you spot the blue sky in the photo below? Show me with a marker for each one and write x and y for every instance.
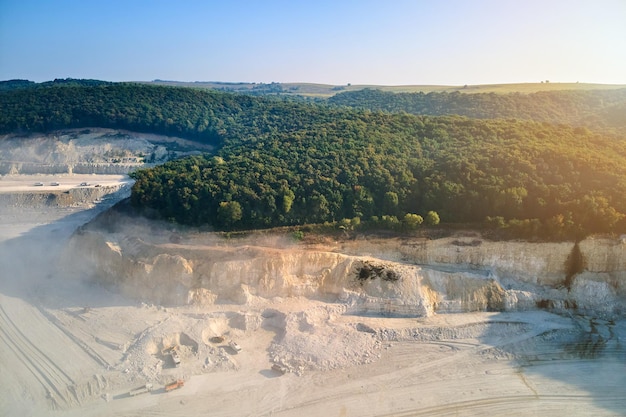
(385, 42)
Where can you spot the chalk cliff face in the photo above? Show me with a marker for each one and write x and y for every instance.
(407, 277)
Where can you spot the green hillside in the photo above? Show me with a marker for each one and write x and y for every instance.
(288, 163)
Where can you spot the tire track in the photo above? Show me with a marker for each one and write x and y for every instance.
(51, 377)
(84, 346)
(497, 405)
(413, 372)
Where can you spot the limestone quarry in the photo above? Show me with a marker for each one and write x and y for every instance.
(408, 277)
(88, 151)
(94, 301)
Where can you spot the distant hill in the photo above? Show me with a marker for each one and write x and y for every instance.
(20, 84)
(590, 108)
(15, 84)
(185, 112)
(323, 91)
(327, 90)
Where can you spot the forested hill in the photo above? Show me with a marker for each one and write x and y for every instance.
(200, 115)
(554, 180)
(591, 108)
(285, 163)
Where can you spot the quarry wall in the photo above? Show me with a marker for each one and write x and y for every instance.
(400, 277)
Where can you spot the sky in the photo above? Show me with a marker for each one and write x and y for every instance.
(383, 42)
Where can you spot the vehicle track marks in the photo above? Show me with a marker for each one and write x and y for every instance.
(86, 348)
(496, 405)
(51, 376)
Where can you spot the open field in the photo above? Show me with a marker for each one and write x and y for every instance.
(326, 90)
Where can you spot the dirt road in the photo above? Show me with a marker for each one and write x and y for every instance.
(60, 182)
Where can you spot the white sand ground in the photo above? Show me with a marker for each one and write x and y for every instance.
(72, 348)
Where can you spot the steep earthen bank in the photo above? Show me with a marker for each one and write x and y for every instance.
(406, 277)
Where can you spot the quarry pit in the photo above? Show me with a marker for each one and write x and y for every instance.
(92, 299)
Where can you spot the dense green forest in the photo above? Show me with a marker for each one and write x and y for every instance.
(605, 109)
(185, 112)
(286, 163)
(364, 165)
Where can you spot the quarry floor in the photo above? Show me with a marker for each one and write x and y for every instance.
(72, 348)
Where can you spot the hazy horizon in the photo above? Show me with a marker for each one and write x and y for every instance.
(359, 42)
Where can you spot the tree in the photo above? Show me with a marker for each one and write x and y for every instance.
(596, 214)
(229, 213)
(412, 220)
(288, 197)
(390, 202)
(319, 207)
(432, 218)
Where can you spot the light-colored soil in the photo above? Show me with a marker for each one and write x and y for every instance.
(27, 183)
(69, 347)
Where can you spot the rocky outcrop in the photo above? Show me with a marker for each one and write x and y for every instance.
(387, 276)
